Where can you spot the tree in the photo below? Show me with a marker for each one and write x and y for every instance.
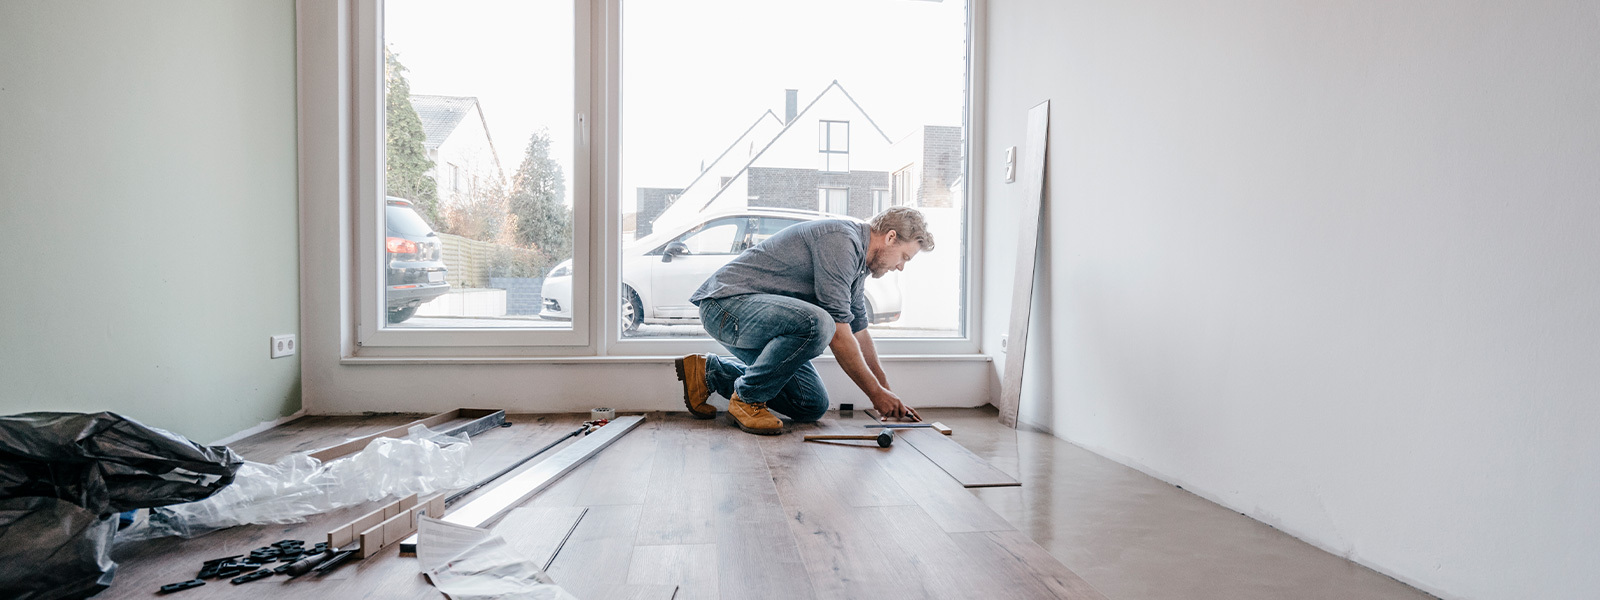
(543, 221)
(408, 163)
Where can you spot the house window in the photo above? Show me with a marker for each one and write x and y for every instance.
(834, 201)
(904, 194)
(431, 281)
(833, 142)
(880, 200)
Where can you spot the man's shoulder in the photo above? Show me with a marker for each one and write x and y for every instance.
(826, 226)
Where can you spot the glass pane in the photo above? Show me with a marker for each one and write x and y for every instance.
(699, 145)
(838, 202)
(715, 238)
(478, 118)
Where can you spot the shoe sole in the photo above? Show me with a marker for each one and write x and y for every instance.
(755, 431)
(684, 377)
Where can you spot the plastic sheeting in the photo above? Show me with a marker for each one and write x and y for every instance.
(63, 479)
(470, 563)
(298, 486)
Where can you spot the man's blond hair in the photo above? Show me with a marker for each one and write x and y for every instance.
(907, 223)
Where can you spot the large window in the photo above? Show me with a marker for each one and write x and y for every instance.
(734, 110)
(479, 165)
(559, 176)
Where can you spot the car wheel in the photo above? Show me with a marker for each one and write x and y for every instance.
(401, 314)
(632, 311)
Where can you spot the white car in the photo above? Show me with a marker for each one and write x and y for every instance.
(661, 270)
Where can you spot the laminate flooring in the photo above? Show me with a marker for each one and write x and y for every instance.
(688, 509)
(678, 508)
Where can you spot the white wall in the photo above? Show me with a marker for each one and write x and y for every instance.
(1331, 264)
(147, 210)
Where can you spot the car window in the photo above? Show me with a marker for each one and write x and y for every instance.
(404, 221)
(770, 225)
(722, 236)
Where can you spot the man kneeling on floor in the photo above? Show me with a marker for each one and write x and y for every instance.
(779, 304)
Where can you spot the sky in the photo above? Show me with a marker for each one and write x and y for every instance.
(694, 74)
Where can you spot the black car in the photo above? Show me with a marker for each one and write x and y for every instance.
(416, 271)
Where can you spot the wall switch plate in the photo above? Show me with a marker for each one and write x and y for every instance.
(1011, 164)
(283, 345)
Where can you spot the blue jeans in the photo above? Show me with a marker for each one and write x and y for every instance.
(774, 339)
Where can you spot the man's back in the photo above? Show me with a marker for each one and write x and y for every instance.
(823, 262)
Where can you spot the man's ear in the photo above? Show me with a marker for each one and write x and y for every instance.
(891, 237)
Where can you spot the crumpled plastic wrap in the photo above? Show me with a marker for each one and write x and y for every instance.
(298, 486)
(63, 479)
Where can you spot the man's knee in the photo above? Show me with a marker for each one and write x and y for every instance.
(822, 329)
(810, 412)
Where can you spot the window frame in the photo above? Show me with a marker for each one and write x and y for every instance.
(367, 92)
(338, 58)
(828, 149)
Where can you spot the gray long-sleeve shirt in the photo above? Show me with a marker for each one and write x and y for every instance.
(823, 262)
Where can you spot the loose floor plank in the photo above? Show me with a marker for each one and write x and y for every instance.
(499, 500)
(956, 459)
(951, 505)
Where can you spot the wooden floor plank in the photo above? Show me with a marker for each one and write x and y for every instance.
(599, 551)
(844, 558)
(855, 473)
(625, 466)
(955, 459)
(756, 553)
(951, 505)
(678, 508)
(1037, 561)
(693, 568)
(536, 532)
(938, 562)
(999, 559)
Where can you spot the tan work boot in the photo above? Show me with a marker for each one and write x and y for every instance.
(692, 372)
(754, 418)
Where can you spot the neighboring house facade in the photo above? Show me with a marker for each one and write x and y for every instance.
(829, 156)
(458, 143)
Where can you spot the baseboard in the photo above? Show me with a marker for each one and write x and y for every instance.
(258, 428)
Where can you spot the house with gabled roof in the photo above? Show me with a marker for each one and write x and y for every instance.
(459, 145)
(828, 156)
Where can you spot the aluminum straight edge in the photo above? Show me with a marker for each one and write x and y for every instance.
(485, 510)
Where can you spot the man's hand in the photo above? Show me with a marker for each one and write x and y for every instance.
(890, 407)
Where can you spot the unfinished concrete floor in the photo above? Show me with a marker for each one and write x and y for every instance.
(681, 508)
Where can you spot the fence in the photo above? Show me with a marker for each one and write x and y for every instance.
(467, 260)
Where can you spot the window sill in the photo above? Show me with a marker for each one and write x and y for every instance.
(581, 360)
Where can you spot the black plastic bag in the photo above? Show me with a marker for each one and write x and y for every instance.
(63, 479)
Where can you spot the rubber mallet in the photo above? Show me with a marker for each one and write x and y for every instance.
(884, 438)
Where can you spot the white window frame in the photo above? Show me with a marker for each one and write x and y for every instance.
(828, 149)
(368, 90)
(339, 89)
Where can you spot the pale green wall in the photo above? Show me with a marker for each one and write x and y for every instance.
(148, 229)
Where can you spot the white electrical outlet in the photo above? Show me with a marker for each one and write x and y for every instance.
(1003, 340)
(1011, 164)
(283, 345)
